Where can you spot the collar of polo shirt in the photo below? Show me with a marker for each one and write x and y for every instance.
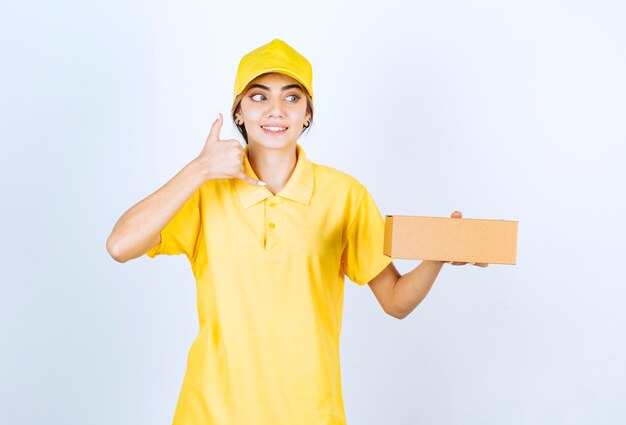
(299, 188)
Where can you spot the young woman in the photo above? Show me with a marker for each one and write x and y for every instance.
(269, 236)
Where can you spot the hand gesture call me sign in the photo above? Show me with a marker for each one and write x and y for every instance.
(223, 159)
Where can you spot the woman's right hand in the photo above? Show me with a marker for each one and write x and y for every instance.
(223, 159)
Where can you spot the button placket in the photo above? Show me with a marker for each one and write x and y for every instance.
(272, 222)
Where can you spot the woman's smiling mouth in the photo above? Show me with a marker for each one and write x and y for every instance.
(274, 130)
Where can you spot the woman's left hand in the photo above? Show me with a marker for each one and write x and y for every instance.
(457, 214)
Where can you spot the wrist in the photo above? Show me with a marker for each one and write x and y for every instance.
(435, 263)
(202, 165)
(197, 167)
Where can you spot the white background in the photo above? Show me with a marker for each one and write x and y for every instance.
(509, 110)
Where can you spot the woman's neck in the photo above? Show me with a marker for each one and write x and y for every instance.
(273, 166)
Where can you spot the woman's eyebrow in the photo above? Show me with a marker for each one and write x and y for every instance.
(290, 86)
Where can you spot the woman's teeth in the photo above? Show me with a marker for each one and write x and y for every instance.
(274, 130)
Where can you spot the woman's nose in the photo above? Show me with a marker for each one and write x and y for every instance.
(275, 107)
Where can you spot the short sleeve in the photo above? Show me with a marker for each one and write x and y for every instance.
(362, 258)
(180, 235)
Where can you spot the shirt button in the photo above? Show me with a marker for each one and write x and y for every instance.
(272, 204)
(272, 225)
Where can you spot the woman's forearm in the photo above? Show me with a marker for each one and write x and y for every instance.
(413, 286)
(139, 228)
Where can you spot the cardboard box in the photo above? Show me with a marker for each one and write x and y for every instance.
(451, 239)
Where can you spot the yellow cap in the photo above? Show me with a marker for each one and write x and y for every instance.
(275, 56)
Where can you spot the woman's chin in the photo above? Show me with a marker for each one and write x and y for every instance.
(272, 142)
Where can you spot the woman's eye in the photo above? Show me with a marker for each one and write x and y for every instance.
(256, 97)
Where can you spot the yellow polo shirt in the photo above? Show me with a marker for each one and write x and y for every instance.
(269, 273)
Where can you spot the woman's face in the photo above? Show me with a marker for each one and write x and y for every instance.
(273, 110)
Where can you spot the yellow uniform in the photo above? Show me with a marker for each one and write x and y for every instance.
(269, 273)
